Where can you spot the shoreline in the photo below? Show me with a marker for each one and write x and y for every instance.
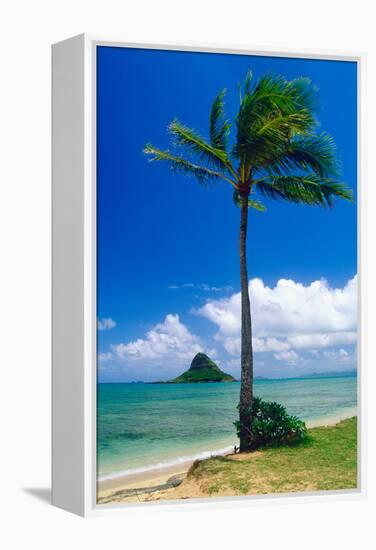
(159, 476)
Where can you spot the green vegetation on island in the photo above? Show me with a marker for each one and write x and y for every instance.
(202, 369)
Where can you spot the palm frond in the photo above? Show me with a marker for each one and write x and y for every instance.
(274, 91)
(186, 137)
(275, 110)
(285, 126)
(277, 151)
(304, 93)
(247, 85)
(252, 203)
(178, 164)
(219, 127)
(271, 140)
(307, 189)
(247, 82)
(315, 152)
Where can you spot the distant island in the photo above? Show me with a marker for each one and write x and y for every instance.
(202, 369)
(331, 374)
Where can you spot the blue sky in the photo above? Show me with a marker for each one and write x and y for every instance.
(168, 248)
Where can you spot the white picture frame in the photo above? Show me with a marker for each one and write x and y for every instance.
(74, 476)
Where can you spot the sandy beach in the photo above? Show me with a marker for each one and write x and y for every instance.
(142, 486)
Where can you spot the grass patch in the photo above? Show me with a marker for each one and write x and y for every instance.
(326, 460)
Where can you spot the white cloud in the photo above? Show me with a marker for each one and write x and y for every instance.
(106, 323)
(203, 286)
(105, 356)
(302, 341)
(289, 356)
(340, 355)
(170, 340)
(288, 316)
(232, 344)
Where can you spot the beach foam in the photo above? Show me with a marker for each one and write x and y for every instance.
(168, 464)
(330, 420)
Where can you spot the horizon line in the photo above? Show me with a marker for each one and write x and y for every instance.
(341, 374)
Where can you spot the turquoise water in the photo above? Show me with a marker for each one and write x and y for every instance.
(142, 426)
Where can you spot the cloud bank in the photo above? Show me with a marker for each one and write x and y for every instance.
(288, 316)
(296, 328)
(170, 340)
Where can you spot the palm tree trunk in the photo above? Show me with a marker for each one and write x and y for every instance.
(246, 386)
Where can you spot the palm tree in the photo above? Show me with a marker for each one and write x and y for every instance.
(275, 154)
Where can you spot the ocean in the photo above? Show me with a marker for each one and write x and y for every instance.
(145, 426)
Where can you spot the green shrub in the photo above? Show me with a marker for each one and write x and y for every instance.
(271, 425)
